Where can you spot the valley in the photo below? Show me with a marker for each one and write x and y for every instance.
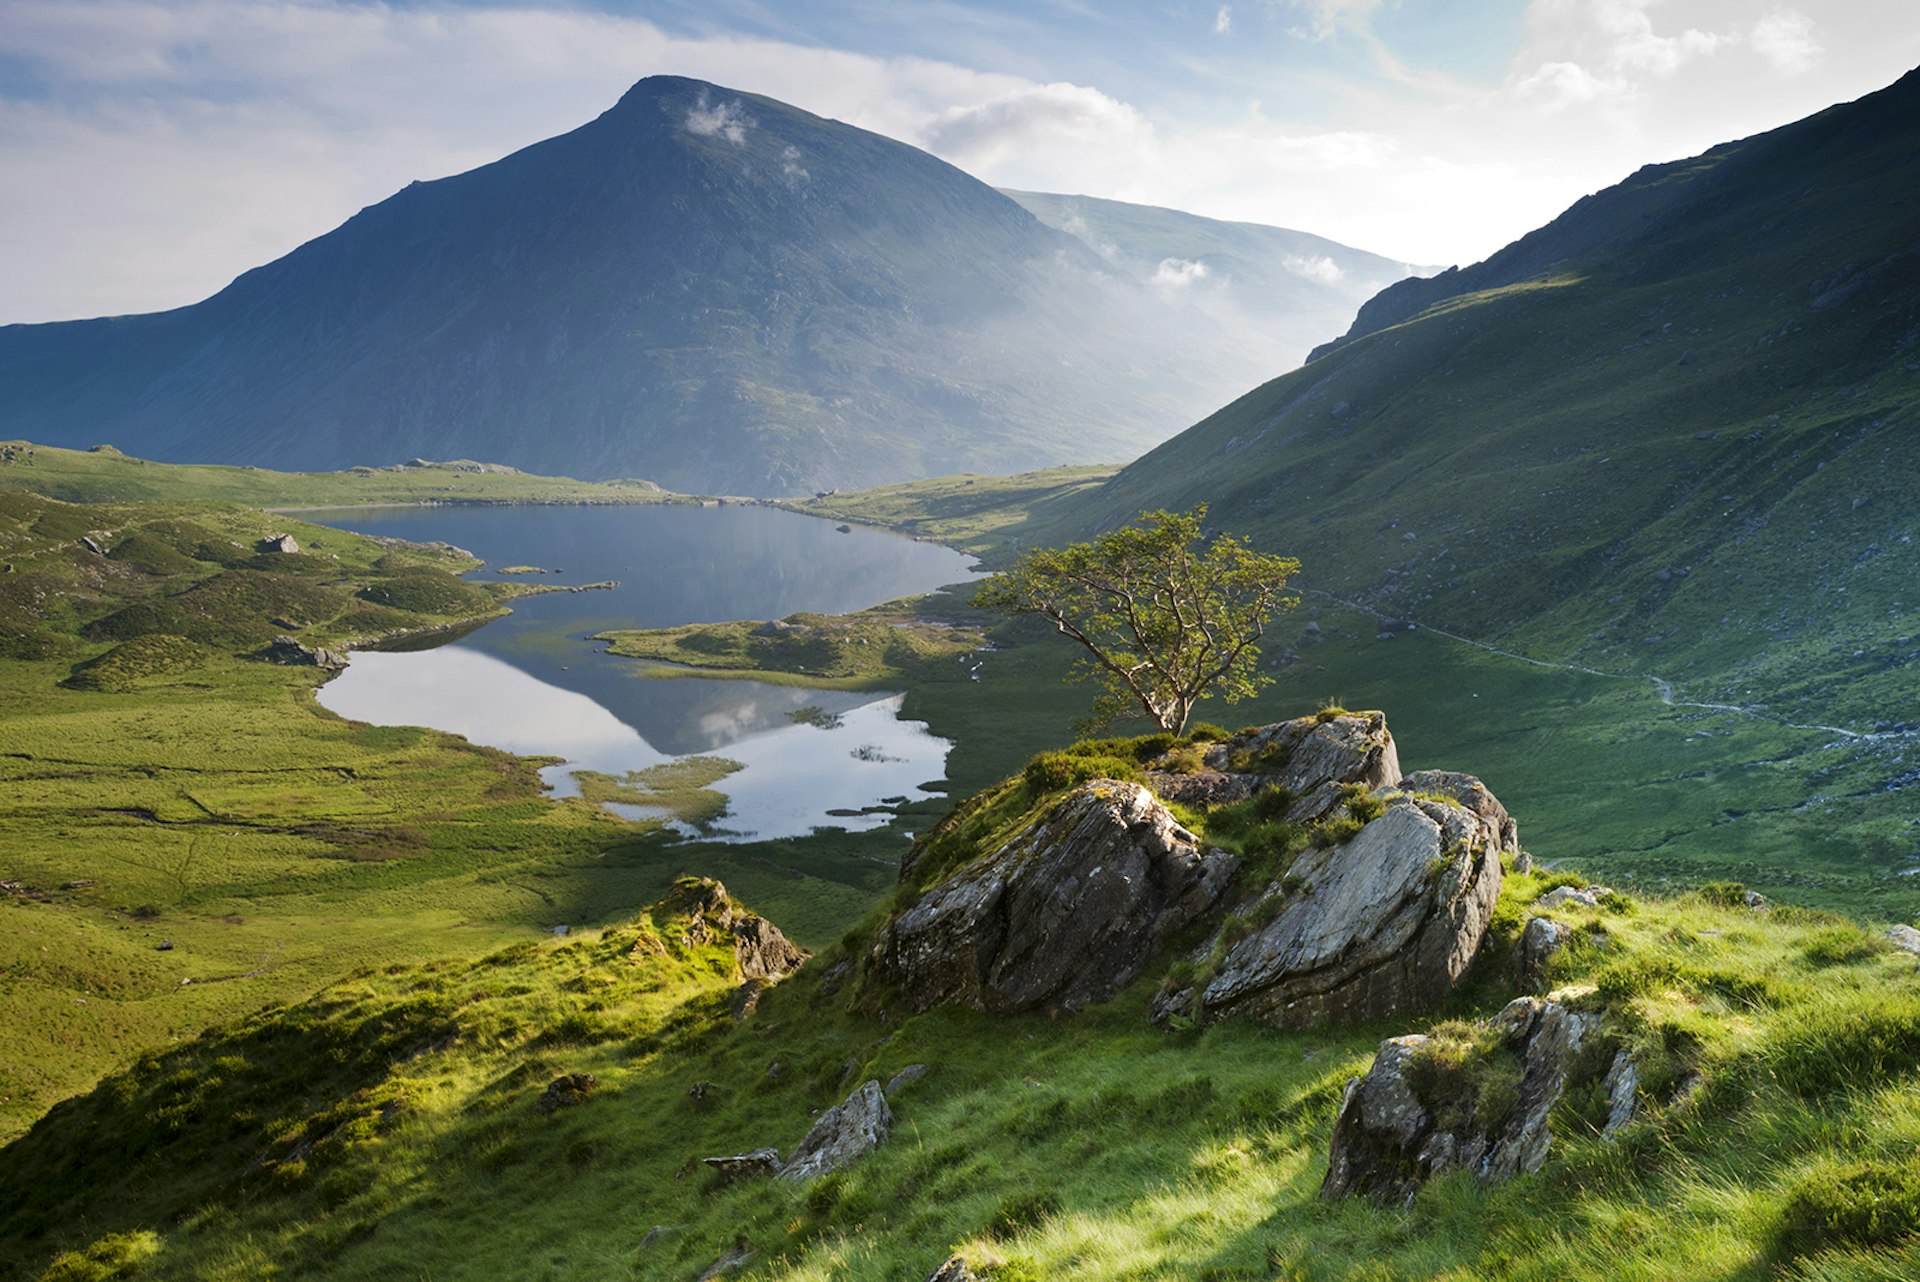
(444, 869)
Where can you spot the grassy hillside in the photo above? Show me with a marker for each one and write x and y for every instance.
(392, 1125)
(189, 836)
(104, 474)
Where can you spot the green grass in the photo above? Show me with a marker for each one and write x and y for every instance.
(389, 1126)
(109, 476)
(682, 788)
(971, 512)
(869, 650)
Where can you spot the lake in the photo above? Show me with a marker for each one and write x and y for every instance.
(532, 683)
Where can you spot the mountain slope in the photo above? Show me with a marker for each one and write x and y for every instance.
(1673, 432)
(711, 289)
(1282, 291)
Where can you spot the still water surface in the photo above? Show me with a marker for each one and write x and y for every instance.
(532, 683)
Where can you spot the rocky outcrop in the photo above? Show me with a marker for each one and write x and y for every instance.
(1065, 914)
(843, 1135)
(1497, 825)
(1382, 925)
(286, 650)
(762, 951)
(1311, 757)
(1577, 896)
(1904, 937)
(1417, 1114)
(955, 1269)
(277, 543)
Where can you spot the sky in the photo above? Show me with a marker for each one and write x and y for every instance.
(151, 150)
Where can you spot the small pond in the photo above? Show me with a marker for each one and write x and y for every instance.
(532, 683)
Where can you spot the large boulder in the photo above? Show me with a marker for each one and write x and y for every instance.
(1423, 1109)
(1311, 757)
(1381, 925)
(1065, 914)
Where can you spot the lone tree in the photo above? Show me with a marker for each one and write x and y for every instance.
(1165, 618)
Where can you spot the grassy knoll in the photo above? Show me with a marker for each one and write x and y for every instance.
(391, 1125)
(875, 648)
(105, 475)
(682, 788)
(971, 512)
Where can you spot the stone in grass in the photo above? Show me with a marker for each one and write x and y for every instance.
(1388, 1140)
(843, 1135)
(1584, 896)
(954, 1270)
(1539, 941)
(567, 1091)
(759, 1164)
(1904, 937)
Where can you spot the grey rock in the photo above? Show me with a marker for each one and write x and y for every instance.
(1384, 924)
(1496, 824)
(1065, 914)
(277, 543)
(905, 1078)
(1561, 896)
(1539, 941)
(1623, 1092)
(761, 1163)
(731, 1262)
(1523, 862)
(843, 1135)
(1904, 937)
(759, 947)
(1311, 757)
(1756, 901)
(285, 650)
(954, 1270)
(1387, 1141)
(88, 542)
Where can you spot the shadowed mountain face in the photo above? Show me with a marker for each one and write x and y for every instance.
(707, 288)
(1677, 430)
(1282, 292)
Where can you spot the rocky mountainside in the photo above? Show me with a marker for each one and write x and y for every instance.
(1614, 440)
(708, 288)
(1283, 292)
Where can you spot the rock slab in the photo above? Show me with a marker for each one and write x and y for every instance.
(1382, 925)
(1065, 914)
(843, 1135)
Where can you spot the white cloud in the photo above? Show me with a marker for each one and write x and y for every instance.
(1560, 84)
(1036, 117)
(1317, 267)
(726, 120)
(1223, 20)
(1324, 19)
(1178, 273)
(1785, 39)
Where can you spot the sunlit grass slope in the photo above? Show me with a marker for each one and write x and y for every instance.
(189, 836)
(392, 1126)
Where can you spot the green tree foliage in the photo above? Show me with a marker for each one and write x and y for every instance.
(1166, 617)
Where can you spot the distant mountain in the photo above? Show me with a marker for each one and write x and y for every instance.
(704, 287)
(1677, 430)
(1283, 292)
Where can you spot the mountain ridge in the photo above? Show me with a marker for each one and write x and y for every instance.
(706, 287)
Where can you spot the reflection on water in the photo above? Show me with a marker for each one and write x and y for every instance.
(532, 684)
